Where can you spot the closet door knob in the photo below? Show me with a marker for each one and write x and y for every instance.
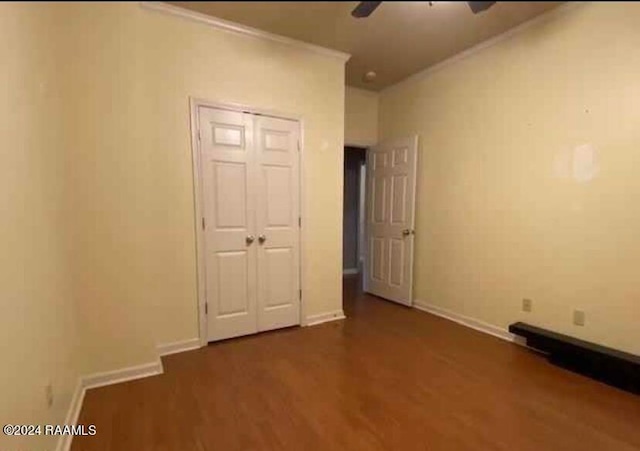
(262, 239)
(249, 239)
(406, 232)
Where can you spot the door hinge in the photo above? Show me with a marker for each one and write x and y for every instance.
(206, 308)
(300, 294)
(299, 221)
(198, 134)
(203, 223)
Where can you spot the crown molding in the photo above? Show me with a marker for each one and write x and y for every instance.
(234, 27)
(425, 73)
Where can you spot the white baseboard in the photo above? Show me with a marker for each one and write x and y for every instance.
(100, 380)
(350, 271)
(178, 346)
(314, 320)
(116, 377)
(64, 442)
(122, 375)
(465, 321)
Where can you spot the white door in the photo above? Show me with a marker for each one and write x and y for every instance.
(228, 185)
(250, 188)
(391, 192)
(277, 219)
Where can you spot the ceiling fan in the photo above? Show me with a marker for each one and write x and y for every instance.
(364, 9)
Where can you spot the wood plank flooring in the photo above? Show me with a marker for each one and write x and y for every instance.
(386, 378)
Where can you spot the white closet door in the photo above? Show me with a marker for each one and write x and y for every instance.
(391, 193)
(228, 185)
(277, 207)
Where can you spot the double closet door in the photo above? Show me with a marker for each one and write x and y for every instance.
(250, 181)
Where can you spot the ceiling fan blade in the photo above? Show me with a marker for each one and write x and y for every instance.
(477, 7)
(364, 9)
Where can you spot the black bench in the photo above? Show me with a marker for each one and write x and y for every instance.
(607, 365)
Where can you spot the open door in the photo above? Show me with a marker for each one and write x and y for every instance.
(390, 205)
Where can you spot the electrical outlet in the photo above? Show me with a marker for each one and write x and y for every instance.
(48, 393)
(527, 305)
(578, 317)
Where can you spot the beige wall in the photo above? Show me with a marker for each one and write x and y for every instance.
(504, 212)
(135, 70)
(360, 117)
(98, 224)
(37, 323)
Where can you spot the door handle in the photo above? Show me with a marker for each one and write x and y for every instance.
(406, 232)
(262, 239)
(249, 239)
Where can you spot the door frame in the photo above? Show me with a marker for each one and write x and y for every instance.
(194, 104)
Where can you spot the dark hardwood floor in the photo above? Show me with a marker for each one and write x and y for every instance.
(388, 377)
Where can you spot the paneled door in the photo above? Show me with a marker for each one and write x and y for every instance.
(390, 205)
(277, 219)
(228, 185)
(249, 179)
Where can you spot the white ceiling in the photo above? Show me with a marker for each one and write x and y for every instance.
(397, 40)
